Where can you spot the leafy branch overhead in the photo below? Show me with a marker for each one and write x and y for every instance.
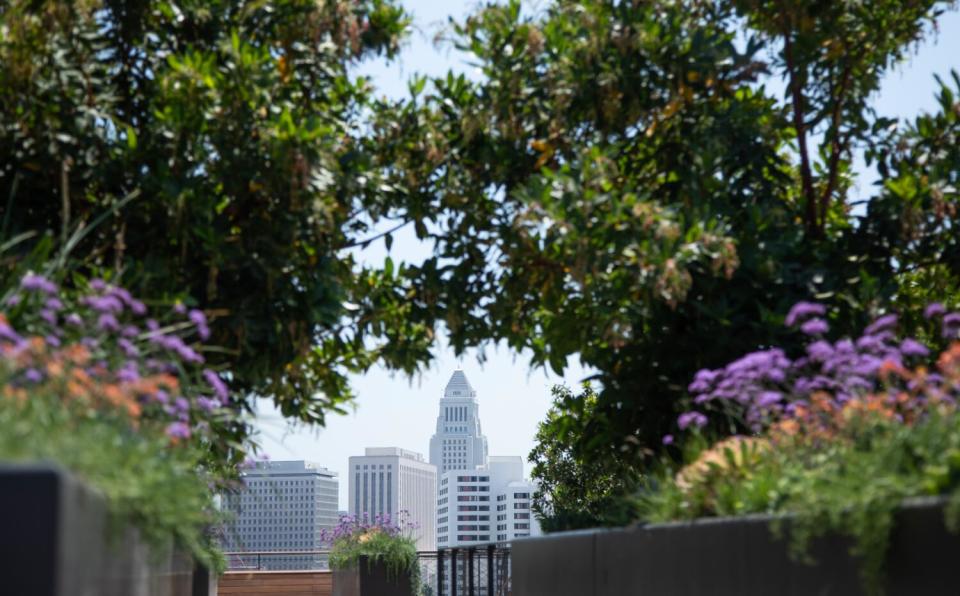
(238, 125)
(624, 184)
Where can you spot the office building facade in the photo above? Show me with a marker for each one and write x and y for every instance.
(283, 507)
(389, 482)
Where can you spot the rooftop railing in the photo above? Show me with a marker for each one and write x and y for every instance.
(478, 570)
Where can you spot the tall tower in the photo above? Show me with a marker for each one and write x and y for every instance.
(458, 443)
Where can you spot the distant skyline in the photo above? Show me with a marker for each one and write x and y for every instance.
(392, 411)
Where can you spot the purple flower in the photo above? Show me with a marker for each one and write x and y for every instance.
(33, 375)
(108, 322)
(53, 340)
(104, 304)
(121, 294)
(130, 350)
(129, 373)
(820, 350)
(74, 319)
(181, 405)
(768, 398)
(207, 404)
(219, 387)
(37, 283)
(200, 320)
(870, 343)
(804, 310)
(53, 304)
(152, 324)
(98, 285)
(179, 308)
(951, 321)
(703, 380)
(815, 327)
(49, 316)
(13, 300)
(138, 308)
(868, 366)
(178, 430)
(694, 418)
(884, 323)
(934, 309)
(130, 331)
(189, 354)
(911, 347)
(668, 439)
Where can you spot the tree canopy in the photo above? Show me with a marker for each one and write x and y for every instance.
(651, 186)
(223, 141)
(646, 185)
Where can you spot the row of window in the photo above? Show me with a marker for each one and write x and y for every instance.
(473, 538)
(456, 414)
(467, 488)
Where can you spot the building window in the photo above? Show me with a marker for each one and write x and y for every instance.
(389, 491)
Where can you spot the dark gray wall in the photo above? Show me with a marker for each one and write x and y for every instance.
(731, 556)
(54, 541)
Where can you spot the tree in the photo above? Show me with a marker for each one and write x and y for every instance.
(221, 140)
(623, 185)
(575, 488)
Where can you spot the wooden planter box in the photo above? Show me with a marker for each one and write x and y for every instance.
(54, 541)
(736, 556)
(370, 578)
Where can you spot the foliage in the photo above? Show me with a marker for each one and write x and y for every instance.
(89, 381)
(836, 455)
(377, 540)
(623, 184)
(573, 489)
(230, 132)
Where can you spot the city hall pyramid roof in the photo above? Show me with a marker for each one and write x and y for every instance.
(459, 386)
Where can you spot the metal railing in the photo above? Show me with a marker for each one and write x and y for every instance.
(480, 570)
(277, 560)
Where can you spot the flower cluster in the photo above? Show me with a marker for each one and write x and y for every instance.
(361, 527)
(102, 347)
(880, 367)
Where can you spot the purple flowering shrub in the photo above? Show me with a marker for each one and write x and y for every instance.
(376, 538)
(838, 435)
(769, 386)
(118, 393)
(103, 344)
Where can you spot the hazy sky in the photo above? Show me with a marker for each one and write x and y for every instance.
(394, 411)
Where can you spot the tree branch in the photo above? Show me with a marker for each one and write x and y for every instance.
(838, 144)
(375, 237)
(806, 177)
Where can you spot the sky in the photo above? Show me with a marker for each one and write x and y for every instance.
(394, 411)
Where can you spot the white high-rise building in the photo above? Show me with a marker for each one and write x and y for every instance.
(487, 504)
(386, 481)
(283, 506)
(458, 443)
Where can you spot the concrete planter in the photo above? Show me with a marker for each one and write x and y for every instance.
(370, 578)
(732, 556)
(54, 542)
